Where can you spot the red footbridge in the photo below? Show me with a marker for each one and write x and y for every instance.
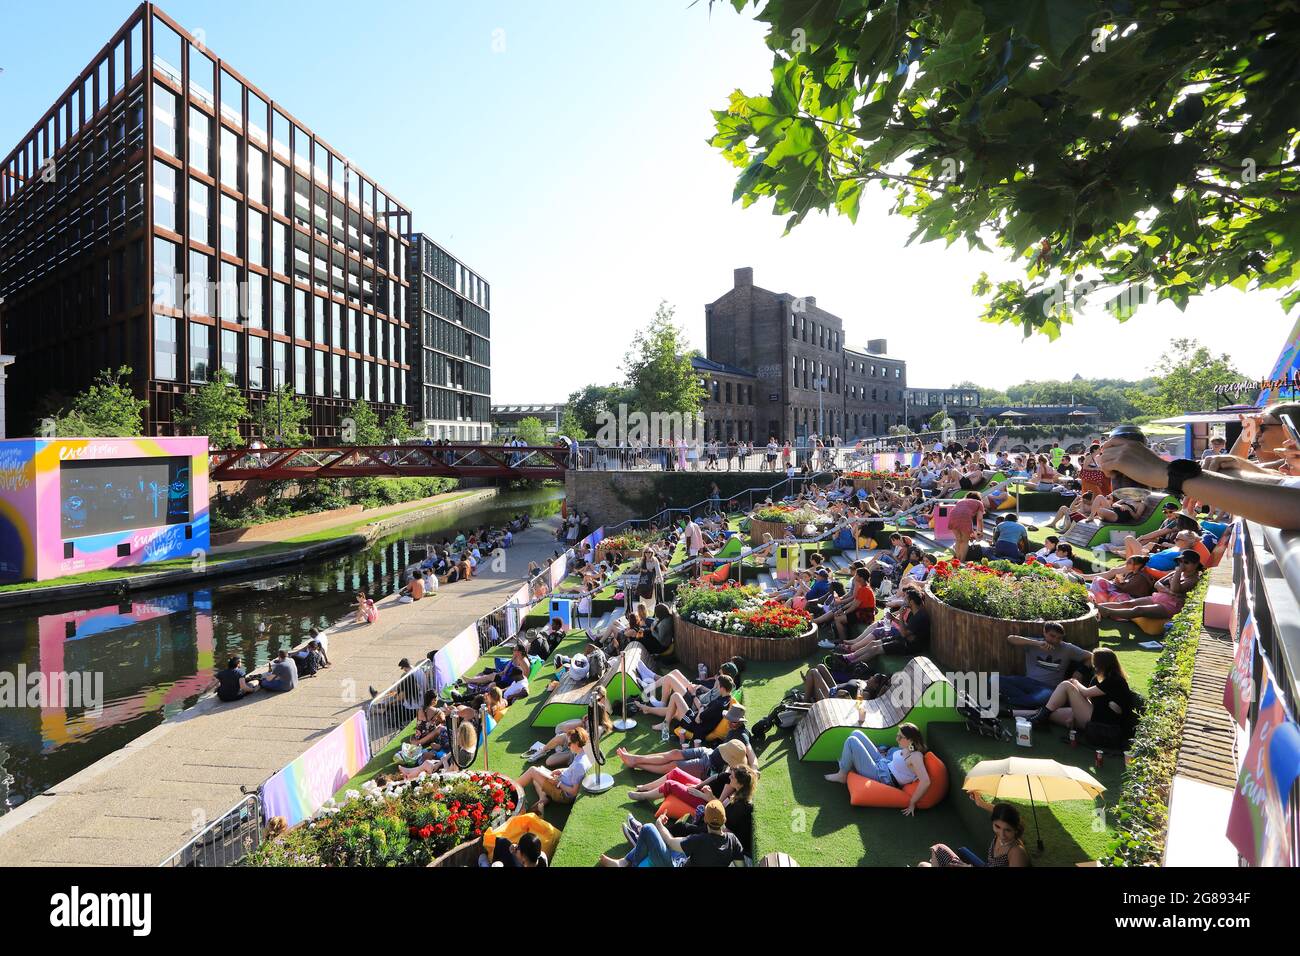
(389, 461)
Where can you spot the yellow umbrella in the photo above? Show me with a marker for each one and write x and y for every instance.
(1032, 779)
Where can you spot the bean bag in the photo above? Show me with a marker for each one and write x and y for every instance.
(1155, 626)
(1008, 503)
(675, 809)
(719, 732)
(516, 827)
(865, 792)
(720, 575)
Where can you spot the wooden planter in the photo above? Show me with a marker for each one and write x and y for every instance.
(964, 641)
(872, 485)
(697, 645)
(467, 854)
(757, 529)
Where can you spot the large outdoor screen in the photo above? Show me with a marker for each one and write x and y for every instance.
(98, 497)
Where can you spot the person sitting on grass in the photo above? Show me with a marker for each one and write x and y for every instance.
(896, 767)
(655, 842)
(737, 797)
(511, 672)
(1108, 700)
(896, 633)
(1062, 558)
(1007, 848)
(1170, 594)
(564, 786)
(441, 757)
(1128, 581)
(430, 723)
(682, 695)
(555, 751)
(1049, 660)
(698, 717)
(996, 495)
(1160, 563)
(715, 768)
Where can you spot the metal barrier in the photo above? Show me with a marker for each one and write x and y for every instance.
(1269, 563)
(224, 841)
(388, 714)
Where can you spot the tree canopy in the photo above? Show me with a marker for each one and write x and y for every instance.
(216, 409)
(532, 431)
(107, 408)
(361, 425)
(660, 377)
(1119, 150)
(1189, 374)
(282, 418)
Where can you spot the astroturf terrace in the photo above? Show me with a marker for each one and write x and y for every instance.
(799, 812)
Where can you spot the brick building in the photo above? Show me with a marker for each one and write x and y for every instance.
(789, 354)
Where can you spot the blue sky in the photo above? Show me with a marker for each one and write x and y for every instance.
(558, 148)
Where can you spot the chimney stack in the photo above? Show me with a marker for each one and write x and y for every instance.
(744, 278)
(878, 346)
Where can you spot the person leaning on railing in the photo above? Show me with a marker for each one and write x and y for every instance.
(1228, 483)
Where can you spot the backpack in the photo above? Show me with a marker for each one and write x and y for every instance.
(597, 663)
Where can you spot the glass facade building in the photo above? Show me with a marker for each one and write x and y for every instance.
(167, 215)
(450, 347)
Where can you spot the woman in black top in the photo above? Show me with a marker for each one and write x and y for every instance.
(1107, 701)
(738, 799)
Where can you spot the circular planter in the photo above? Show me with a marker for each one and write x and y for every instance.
(973, 642)
(699, 645)
(757, 529)
(467, 854)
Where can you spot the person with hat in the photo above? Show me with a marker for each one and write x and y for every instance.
(708, 772)
(737, 798)
(1174, 523)
(713, 847)
(697, 762)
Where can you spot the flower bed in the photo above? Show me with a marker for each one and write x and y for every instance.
(406, 824)
(776, 520)
(974, 607)
(625, 543)
(715, 623)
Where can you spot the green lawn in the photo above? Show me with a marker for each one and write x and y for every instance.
(799, 812)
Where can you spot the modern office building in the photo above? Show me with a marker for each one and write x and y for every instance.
(168, 215)
(804, 379)
(506, 418)
(450, 346)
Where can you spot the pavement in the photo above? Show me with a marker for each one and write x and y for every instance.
(139, 805)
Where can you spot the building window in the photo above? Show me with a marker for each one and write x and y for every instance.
(164, 347)
(229, 159)
(256, 301)
(164, 195)
(200, 284)
(166, 273)
(279, 303)
(229, 293)
(300, 370)
(318, 323)
(318, 371)
(200, 352)
(229, 226)
(256, 238)
(280, 188)
(200, 141)
(256, 362)
(279, 244)
(256, 175)
(200, 199)
(336, 325)
(164, 119)
(230, 353)
(279, 365)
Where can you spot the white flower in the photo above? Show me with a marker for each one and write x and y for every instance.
(352, 794)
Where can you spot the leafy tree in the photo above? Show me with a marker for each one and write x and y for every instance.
(660, 377)
(282, 418)
(937, 420)
(217, 410)
(397, 426)
(1140, 144)
(361, 425)
(1188, 375)
(532, 431)
(107, 409)
(571, 427)
(588, 403)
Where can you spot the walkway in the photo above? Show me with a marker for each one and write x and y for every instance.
(1201, 793)
(139, 805)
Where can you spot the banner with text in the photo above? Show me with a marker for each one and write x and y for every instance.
(301, 788)
(1239, 691)
(1257, 824)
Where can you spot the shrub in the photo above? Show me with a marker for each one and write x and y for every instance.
(408, 825)
(739, 609)
(787, 514)
(699, 598)
(1015, 592)
(1142, 811)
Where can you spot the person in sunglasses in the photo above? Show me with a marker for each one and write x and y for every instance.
(1171, 591)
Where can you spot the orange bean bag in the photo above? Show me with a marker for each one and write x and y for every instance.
(720, 575)
(865, 792)
(675, 809)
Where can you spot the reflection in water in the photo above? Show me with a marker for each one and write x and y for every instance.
(157, 653)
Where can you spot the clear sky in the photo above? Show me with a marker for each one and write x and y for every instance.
(558, 147)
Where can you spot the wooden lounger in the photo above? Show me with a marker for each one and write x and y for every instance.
(572, 699)
(918, 694)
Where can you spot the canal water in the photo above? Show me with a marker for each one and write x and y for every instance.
(158, 651)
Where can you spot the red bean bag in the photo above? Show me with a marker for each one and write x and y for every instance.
(865, 792)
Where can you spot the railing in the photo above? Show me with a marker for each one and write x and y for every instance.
(390, 711)
(224, 841)
(1269, 564)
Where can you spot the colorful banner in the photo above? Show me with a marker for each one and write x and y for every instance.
(1282, 380)
(1239, 691)
(302, 788)
(516, 611)
(558, 568)
(1257, 824)
(886, 461)
(455, 658)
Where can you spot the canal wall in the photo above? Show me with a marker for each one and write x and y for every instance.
(611, 497)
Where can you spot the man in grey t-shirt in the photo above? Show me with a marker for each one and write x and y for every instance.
(284, 675)
(1049, 660)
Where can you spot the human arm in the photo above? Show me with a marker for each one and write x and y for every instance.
(673, 843)
(917, 762)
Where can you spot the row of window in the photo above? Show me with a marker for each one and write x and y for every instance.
(874, 371)
(805, 330)
(314, 372)
(859, 393)
(453, 340)
(437, 262)
(235, 296)
(814, 374)
(722, 392)
(442, 404)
